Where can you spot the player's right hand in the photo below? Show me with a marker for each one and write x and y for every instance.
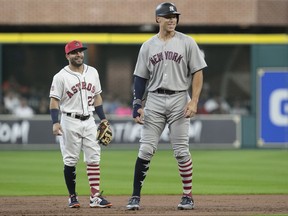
(140, 118)
(57, 129)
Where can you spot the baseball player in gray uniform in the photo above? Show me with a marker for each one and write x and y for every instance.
(75, 91)
(167, 65)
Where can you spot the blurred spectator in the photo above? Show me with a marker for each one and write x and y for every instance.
(238, 108)
(23, 111)
(123, 110)
(110, 104)
(203, 98)
(217, 105)
(2, 109)
(10, 84)
(11, 101)
(43, 107)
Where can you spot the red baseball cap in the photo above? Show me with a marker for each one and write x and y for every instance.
(73, 45)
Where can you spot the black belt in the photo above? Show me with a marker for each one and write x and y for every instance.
(81, 117)
(165, 91)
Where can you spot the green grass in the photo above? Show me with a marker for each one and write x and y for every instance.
(215, 172)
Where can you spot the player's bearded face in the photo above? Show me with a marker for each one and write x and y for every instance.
(76, 59)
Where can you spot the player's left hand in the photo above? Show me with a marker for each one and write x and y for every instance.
(190, 110)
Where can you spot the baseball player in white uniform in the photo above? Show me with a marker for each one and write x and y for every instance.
(168, 63)
(75, 92)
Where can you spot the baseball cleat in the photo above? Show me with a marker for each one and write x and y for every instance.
(99, 202)
(133, 203)
(186, 203)
(73, 202)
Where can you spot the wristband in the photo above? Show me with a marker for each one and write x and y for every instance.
(99, 111)
(137, 102)
(54, 115)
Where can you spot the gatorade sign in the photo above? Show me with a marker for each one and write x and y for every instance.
(273, 107)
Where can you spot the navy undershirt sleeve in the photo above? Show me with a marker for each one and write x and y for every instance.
(139, 87)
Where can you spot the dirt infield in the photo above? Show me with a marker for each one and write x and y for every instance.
(150, 205)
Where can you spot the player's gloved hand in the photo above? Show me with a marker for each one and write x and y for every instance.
(104, 133)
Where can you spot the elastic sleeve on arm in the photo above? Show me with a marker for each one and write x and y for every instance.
(100, 112)
(54, 115)
(139, 89)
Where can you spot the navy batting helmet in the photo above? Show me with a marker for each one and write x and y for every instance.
(167, 8)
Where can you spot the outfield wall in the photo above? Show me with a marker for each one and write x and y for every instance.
(206, 131)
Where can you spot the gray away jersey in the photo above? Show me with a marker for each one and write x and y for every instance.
(169, 64)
